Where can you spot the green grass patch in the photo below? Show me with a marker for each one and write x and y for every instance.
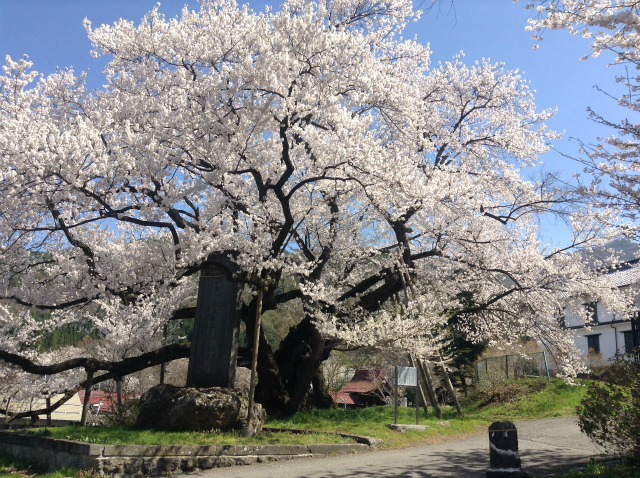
(371, 422)
(623, 469)
(540, 399)
(535, 398)
(543, 399)
(127, 434)
(15, 468)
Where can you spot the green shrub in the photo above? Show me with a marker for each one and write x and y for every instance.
(496, 388)
(125, 414)
(610, 412)
(594, 469)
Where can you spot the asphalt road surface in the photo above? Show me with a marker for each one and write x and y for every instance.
(546, 446)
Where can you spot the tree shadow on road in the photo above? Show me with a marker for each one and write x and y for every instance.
(468, 464)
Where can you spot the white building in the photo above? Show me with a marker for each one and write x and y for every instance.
(607, 333)
(66, 414)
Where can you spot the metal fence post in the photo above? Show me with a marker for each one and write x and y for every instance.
(546, 365)
(506, 366)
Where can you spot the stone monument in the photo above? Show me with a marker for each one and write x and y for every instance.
(503, 451)
(214, 348)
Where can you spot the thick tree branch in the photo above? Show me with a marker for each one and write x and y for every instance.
(155, 357)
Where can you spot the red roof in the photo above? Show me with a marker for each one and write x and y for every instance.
(364, 381)
(340, 398)
(108, 399)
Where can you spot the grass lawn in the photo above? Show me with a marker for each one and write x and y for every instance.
(127, 434)
(14, 468)
(601, 470)
(543, 400)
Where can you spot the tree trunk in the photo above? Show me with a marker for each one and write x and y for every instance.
(299, 358)
(321, 397)
(308, 364)
(285, 377)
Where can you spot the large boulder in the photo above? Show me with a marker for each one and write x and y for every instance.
(182, 408)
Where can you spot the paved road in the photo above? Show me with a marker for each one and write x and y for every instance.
(545, 446)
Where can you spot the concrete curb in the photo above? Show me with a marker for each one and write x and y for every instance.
(369, 441)
(124, 461)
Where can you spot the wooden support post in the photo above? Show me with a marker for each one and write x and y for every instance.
(119, 393)
(6, 415)
(426, 375)
(254, 363)
(163, 365)
(395, 394)
(420, 389)
(87, 399)
(449, 386)
(48, 404)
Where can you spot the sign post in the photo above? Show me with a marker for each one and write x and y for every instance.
(417, 399)
(408, 377)
(395, 393)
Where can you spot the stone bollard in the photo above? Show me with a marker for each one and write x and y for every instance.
(503, 451)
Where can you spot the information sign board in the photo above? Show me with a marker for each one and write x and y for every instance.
(407, 376)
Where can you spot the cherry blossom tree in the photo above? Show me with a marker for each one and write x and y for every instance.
(611, 27)
(314, 146)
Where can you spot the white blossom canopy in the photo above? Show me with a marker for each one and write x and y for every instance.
(313, 143)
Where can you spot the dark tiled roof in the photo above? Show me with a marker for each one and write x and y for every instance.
(624, 277)
(365, 381)
(614, 253)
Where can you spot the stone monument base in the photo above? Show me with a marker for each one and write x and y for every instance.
(182, 408)
(507, 474)
(403, 428)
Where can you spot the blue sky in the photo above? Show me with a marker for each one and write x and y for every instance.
(51, 33)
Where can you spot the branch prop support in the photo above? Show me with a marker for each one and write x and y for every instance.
(254, 363)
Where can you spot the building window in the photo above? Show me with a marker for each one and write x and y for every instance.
(593, 344)
(592, 312)
(628, 341)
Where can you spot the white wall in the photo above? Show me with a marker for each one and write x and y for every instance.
(572, 319)
(607, 338)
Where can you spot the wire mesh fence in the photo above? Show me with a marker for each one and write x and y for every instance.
(513, 367)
